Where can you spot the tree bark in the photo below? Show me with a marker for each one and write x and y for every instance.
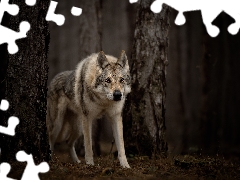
(220, 93)
(64, 46)
(3, 63)
(184, 84)
(90, 41)
(77, 38)
(90, 28)
(117, 21)
(144, 117)
(26, 86)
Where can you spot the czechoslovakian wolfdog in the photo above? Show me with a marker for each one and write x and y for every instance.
(97, 87)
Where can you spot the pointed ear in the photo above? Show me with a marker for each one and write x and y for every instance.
(102, 60)
(122, 60)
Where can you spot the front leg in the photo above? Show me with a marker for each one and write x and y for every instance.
(118, 135)
(87, 133)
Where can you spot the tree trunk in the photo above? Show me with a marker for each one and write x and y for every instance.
(183, 83)
(144, 117)
(26, 86)
(220, 105)
(117, 21)
(78, 38)
(3, 63)
(75, 40)
(64, 46)
(90, 28)
(90, 35)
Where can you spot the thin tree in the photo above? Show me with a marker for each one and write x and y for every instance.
(90, 28)
(220, 90)
(26, 85)
(144, 116)
(90, 35)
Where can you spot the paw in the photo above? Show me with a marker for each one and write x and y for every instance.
(77, 161)
(51, 147)
(123, 162)
(89, 161)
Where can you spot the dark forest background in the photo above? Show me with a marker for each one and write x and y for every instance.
(202, 103)
(184, 100)
(202, 93)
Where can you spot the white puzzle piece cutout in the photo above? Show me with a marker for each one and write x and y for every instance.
(133, 1)
(30, 2)
(59, 19)
(31, 171)
(12, 9)
(12, 121)
(209, 10)
(12, 124)
(4, 170)
(4, 105)
(7, 35)
(76, 11)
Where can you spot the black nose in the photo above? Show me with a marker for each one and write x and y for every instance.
(117, 95)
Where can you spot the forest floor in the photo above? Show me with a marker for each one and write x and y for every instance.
(172, 167)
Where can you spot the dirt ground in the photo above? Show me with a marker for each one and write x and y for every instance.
(173, 167)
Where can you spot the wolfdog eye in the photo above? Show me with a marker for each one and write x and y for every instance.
(122, 80)
(108, 80)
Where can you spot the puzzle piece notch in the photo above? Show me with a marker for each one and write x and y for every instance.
(180, 19)
(12, 123)
(30, 2)
(181, 6)
(76, 11)
(4, 105)
(31, 171)
(209, 10)
(12, 9)
(133, 1)
(189, 5)
(231, 7)
(9, 36)
(59, 19)
(4, 170)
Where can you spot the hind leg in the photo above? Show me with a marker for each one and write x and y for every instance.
(58, 122)
(75, 134)
(73, 155)
(72, 152)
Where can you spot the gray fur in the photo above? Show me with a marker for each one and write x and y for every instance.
(76, 98)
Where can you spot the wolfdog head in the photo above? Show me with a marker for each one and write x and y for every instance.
(113, 76)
